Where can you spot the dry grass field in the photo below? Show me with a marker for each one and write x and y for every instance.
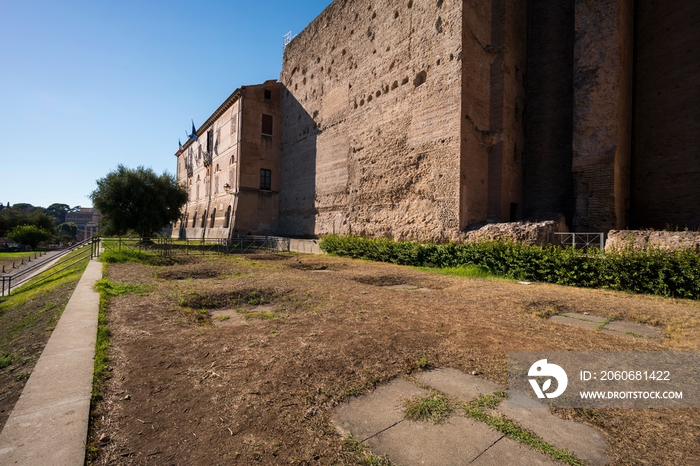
(240, 359)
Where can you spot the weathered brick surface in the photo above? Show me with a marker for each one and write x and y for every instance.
(666, 164)
(371, 121)
(549, 184)
(426, 119)
(643, 239)
(404, 119)
(602, 113)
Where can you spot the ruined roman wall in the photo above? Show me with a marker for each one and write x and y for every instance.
(549, 184)
(494, 65)
(372, 119)
(666, 144)
(602, 111)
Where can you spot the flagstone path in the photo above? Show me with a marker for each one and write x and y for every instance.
(377, 420)
(612, 327)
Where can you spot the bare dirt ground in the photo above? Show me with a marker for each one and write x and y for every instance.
(185, 390)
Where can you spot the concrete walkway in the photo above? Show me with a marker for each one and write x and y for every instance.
(378, 421)
(48, 425)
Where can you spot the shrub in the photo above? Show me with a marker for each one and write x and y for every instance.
(671, 274)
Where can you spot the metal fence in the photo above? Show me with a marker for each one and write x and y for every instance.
(169, 246)
(47, 268)
(580, 240)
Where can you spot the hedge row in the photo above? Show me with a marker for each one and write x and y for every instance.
(671, 274)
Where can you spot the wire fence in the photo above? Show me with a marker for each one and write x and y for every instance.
(170, 247)
(49, 267)
(580, 240)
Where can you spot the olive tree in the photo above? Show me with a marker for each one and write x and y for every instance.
(31, 235)
(137, 199)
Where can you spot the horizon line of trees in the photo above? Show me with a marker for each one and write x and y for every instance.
(31, 225)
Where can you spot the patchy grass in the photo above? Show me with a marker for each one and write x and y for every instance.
(475, 410)
(422, 363)
(106, 287)
(469, 271)
(114, 256)
(246, 392)
(262, 315)
(27, 318)
(367, 458)
(107, 290)
(601, 325)
(434, 408)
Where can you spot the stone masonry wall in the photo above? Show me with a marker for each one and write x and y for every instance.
(549, 184)
(643, 239)
(666, 164)
(602, 113)
(371, 121)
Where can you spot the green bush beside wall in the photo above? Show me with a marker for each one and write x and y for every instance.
(671, 274)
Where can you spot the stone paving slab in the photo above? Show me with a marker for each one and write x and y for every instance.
(48, 425)
(366, 416)
(407, 287)
(457, 385)
(576, 322)
(586, 442)
(378, 421)
(587, 317)
(637, 329)
(509, 452)
(618, 328)
(457, 441)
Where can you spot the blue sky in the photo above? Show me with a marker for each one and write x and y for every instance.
(88, 85)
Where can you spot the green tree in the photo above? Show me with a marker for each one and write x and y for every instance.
(31, 235)
(15, 216)
(67, 231)
(137, 200)
(59, 211)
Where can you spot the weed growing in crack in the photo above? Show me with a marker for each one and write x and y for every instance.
(475, 410)
(434, 408)
(367, 457)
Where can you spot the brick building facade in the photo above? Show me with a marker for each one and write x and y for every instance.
(232, 171)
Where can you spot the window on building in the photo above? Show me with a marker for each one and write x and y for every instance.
(213, 219)
(227, 218)
(268, 94)
(210, 140)
(194, 219)
(234, 122)
(266, 179)
(204, 219)
(267, 125)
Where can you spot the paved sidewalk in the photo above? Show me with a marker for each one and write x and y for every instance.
(48, 425)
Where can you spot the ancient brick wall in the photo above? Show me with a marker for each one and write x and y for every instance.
(602, 113)
(549, 185)
(371, 121)
(666, 150)
(493, 104)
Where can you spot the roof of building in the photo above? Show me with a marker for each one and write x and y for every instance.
(219, 111)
